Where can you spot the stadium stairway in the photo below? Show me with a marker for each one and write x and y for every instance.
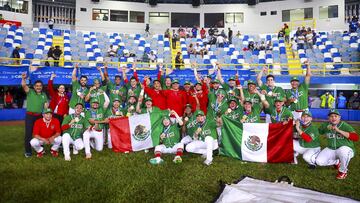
(294, 63)
(59, 41)
(174, 52)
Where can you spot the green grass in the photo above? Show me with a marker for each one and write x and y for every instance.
(114, 177)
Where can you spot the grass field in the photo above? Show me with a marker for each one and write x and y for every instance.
(111, 177)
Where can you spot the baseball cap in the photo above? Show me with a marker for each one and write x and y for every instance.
(216, 81)
(198, 83)
(166, 117)
(248, 100)
(47, 110)
(209, 76)
(187, 83)
(221, 91)
(233, 99)
(175, 81)
(231, 78)
(79, 104)
(251, 82)
(199, 113)
(156, 80)
(307, 112)
(188, 105)
(94, 100)
(116, 99)
(333, 111)
(294, 79)
(279, 98)
(147, 99)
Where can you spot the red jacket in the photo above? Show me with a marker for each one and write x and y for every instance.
(56, 100)
(157, 97)
(175, 100)
(44, 131)
(203, 99)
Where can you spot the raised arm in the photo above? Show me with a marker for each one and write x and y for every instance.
(107, 100)
(50, 86)
(135, 73)
(259, 76)
(219, 76)
(87, 97)
(241, 98)
(178, 119)
(124, 74)
(194, 65)
(73, 75)
(264, 102)
(308, 73)
(23, 83)
(101, 73)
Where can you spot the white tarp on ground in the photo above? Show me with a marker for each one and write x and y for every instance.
(252, 190)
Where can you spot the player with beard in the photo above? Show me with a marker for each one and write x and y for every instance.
(79, 90)
(116, 90)
(132, 87)
(251, 112)
(99, 92)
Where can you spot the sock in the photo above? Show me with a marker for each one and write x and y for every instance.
(179, 152)
(157, 154)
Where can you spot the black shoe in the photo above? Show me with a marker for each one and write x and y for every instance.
(311, 166)
(27, 155)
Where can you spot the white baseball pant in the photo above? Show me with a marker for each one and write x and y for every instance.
(328, 157)
(309, 154)
(98, 138)
(186, 140)
(78, 144)
(109, 139)
(38, 144)
(203, 147)
(171, 150)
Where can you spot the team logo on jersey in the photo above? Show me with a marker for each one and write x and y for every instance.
(253, 143)
(141, 133)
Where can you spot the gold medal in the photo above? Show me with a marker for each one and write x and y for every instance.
(186, 119)
(77, 119)
(229, 110)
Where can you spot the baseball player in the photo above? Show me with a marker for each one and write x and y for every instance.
(79, 90)
(297, 96)
(169, 139)
(73, 127)
(251, 113)
(218, 104)
(234, 111)
(278, 112)
(340, 149)
(251, 94)
(204, 138)
(269, 89)
(116, 90)
(99, 92)
(309, 143)
(114, 112)
(46, 131)
(96, 117)
(130, 106)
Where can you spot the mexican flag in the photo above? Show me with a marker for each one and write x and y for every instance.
(135, 133)
(257, 142)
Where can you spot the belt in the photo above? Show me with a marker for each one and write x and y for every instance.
(33, 114)
(299, 110)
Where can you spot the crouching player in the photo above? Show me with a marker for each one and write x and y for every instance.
(170, 139)
(73, 127)
(46, 131)
(309, 144)
(340, 149)
(204, 138)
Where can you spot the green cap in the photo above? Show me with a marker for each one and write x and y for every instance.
(96, 79)
(47, 110)
(187, 83)
(216, 81)
(209, 76)
(199, 112)
(79, 104)
(333, 111)
(94, 100)
(147, 99)
(294, 79)
(156, 80)
(307, 112)
(233, 99)
(248, 100)
(188, 105)
(175, 81)
(166, 117)
(231, 78)
(279, 98)
(198, 83)
(116, 99)
(251, 82)
(221, 91)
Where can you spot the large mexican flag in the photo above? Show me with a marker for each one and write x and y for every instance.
(135, 133)
(257, 142)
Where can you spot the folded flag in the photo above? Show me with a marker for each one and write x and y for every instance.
(257, 142)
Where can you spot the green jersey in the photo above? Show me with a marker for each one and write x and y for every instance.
(251, 117)
(99, 94)
(114, 113)
(216, 108)
(272, 93)
(171, 135)
(76, 129)
(96, 114)
(191, 126)
(153, 109)
(77, 91)
(132, 91)
(116, 91)
(283, 115)
(301, 97)
(129, 109)
(35, 102)
(313, 132)
(254, 98)
(335, 139)
(231, 91)
(235, 114)
(208, 128)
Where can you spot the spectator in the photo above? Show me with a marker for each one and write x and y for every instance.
(327, 100)
(262, 46)
(281, 33)
(354, 101)
(50, 56)
(16, 55)
(178, 60)
(56, 55)
(51, 24)
(194, 32)
(353, 24)
(287, 33)
(8, 100)
(298, 32)
(238, 34)
(341, 101)
(7, 7)
(309, 39)
(202, 33)
(269, 46)
(294, 47)
(251, 46)
(152, 57)
(111, 52)
(174, 39)
(220, 41)
(230, 35)
(147, 29)
(167, 33)
(301, 41)
(191, 49)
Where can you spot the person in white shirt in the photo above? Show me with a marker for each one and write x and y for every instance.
(111, 52)
(301, 41)
(293, 46)
(220, 40)
(309, 39)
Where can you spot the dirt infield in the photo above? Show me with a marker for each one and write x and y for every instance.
(11, 123)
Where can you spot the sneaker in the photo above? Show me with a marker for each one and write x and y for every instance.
(203, 156)
(177, 159)
(337, 166)
(27, 155)
(54, 153)
(67, 158)
(88, 156)
(341, 175)
(208, 162)
(40, 154)
(156, 161)
(146, 151)
(75, 151)
(311, 166)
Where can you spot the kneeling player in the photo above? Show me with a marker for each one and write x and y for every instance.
(46, 131)
(309, 144)
(73, 127)
(204, 138)
(169, 138)
(340, 150)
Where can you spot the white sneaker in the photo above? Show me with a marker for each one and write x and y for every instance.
(208, 162)
(67, 158)
(75, 151)
(88, 156)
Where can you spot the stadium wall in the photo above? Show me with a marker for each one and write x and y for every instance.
(25, 19)
(253, 22)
